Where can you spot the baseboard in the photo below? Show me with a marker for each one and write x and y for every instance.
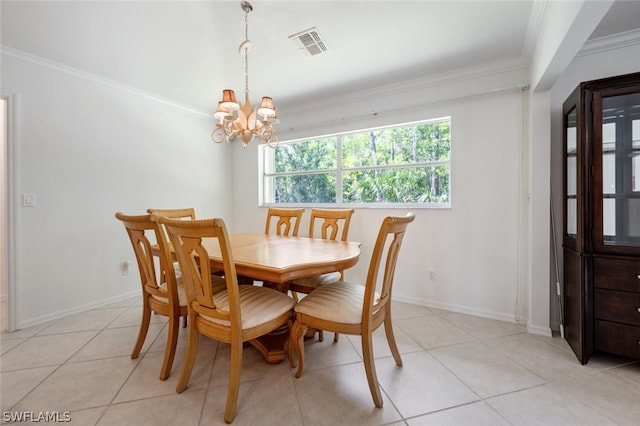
(500, 316)
(74, 310)
(543, 331)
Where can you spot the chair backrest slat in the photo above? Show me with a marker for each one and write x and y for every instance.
(186, 213)
(288, 221)
(333, 222)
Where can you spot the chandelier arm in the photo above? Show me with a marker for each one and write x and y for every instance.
(231, 128)
(273, 141)
(218, 135)
(268, 135)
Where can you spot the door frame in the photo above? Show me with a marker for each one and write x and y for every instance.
(8, 193)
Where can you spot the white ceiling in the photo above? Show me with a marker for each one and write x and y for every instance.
(186, 51)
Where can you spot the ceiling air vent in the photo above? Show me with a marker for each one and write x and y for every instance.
(309, 42)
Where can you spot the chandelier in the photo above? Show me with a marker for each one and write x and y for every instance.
(241, 121)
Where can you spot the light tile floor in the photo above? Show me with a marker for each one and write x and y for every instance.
(458, 370)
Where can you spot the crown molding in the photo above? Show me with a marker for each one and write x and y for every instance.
(615, 41)
(422, 84)
(533, 27)
(46, 63)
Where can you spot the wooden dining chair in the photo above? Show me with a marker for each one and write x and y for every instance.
(235, 315)
(287, 221)
(188, 213)
(349, 308)
(162, 291)
(330, 224)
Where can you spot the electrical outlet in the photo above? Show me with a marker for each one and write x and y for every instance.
(431, 275)
(126, 267)
(28, 199)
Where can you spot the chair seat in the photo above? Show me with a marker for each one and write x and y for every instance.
(316, 281)
(258, 305)
(341, 301)
(217, 284)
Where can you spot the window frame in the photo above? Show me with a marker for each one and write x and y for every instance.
(265, 152)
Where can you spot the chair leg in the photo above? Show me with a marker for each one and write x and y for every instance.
(370, 368)
(144, 328)
(288, 347)
(170, 350)
(335, 337)
(190, 356)
(298, 330)
(388, 330)
(234, 381)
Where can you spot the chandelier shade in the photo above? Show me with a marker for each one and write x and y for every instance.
(241, 121)
(266, 107)
(229, 100)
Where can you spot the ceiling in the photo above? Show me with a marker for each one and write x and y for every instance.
(187, 51)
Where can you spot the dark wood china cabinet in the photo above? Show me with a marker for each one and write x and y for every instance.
(601, 243)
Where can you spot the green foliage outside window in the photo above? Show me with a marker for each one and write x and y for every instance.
(314, 154)
(396, 165)
(296, 189)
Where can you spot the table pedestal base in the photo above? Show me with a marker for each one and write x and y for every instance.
(272, 345)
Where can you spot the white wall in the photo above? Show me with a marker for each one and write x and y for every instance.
(474, 246)
(88, 148)
(538, 210)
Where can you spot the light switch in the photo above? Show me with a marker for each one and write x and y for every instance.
(28, 199)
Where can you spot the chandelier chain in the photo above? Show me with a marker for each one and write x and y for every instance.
(246, 52)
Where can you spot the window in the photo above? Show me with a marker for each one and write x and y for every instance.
(401, 165)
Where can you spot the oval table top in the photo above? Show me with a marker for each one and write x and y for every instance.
(280, 259)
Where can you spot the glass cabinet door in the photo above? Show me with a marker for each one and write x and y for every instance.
(620, 150)
(571, 186)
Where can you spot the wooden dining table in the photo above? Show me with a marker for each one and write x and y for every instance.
(276, 260)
